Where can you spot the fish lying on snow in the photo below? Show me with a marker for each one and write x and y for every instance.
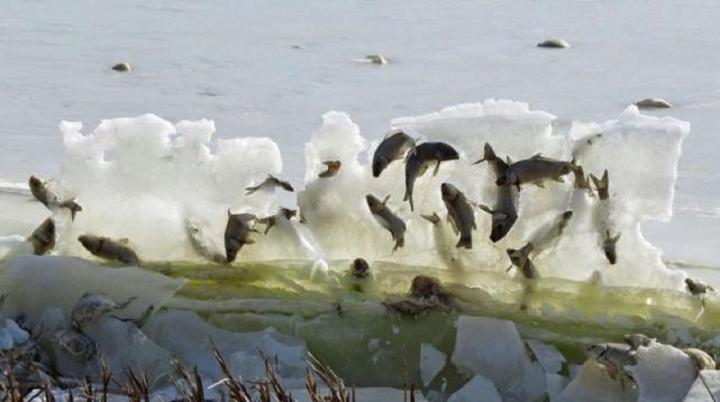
(270, 184)
(394, 146)
(109, 249)
(43, 238)
(608, 235)
(237, 233)
(47, 197)
(418, 161)
(541, 240)
(535, 170)
(387, 219)
(460, 214)
(504, 214)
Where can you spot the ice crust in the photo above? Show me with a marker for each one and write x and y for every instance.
(147, 179)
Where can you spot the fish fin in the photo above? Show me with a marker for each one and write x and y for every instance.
(412, 152)
(485, 208)
(479, 161)
(536, 156)
(400, 242)
(605, 180)
(437, 168)
(434, 218)
(464, 242)
(385, 200)
(452, 224)
(508, 160)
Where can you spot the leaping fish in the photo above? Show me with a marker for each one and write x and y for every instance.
(47, 197)
(387, 219)
(43, 238)
(424, 156)
(608, 235)
(394, 146)
(504, 214)
(539, 241)
(333, 167)
(270, 183)
(535, 170)
(237, 233)
(460, 214)
(109, 249)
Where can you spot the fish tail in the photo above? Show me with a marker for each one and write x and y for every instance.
(73, 206)
(399, 242)
(464, 242)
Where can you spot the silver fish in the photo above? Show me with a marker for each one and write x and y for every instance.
(504, 214)
(333, 167)
(695, 287)
(270, 183)
(42, 193)
(608, 237)
(237, 233)
(393, 147)
(43, 238)
(520, 258)
(387, 219)
(109, 249)
(460, 214)
(535, 170)
(539, 241)
(424, 156)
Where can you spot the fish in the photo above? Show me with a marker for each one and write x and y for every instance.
(332, 169)
(203, 244)
(581, 181)
(535, 170)
(504, 214)
(237, 233)
(109, 249)
(425, 155)
(360, 268)
(701, 359)
(614, 357)
(47, 197)
(695, 287)
(270, 183)
(427, 287)
(387, 219)
(460, 214)
(637, 340)
(270, 221)
(43, 238)
(540, 240)
(394, 146)
(608, 235)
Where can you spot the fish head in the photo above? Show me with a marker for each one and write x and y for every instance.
(517, 257)
(89, 242)
(449, 192)
(445, 152)
(373, 202)
(594, 351)
(501, 225)
(610, 248)
(360, 268)
(34, 183)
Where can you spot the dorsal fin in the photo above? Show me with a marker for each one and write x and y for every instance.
(385, 200)
(508, 160)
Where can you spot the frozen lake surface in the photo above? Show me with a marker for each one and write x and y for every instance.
(273, 68)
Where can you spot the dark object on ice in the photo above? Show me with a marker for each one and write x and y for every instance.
(387, 219)
(42, 193)
(122, 67)
(609, 246)
(554, 43)
(91, 306)
(696, 287)
(394, 146)
(332, 169)
(419, 160)
(376, 59)
(426, 287)
(109, 249)
(237, 233)
(43, 238)
(653, 103)
(602, 185)
(270, 183)
(360, 268)
(637, 340)
(460, 214)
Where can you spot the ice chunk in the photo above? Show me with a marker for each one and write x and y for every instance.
(492, 348)
(368, 394)
(548, 356)
(431, 362)
(707, 382)
(64, 279)
(243, 350)
(658, 363)
(593, 384)
(6, 339)
(19, 335)
(479, 389)
(555, 384)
